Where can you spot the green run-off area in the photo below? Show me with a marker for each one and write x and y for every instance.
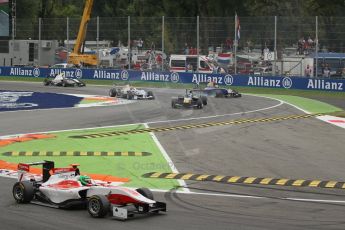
(131, 167)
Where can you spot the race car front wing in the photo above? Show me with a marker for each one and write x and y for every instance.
(124, 212)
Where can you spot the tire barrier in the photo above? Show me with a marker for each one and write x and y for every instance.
(201, 125)
(24, 138)
(247, 180)
(75, 154)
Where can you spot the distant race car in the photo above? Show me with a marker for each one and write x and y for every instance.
(189, 100)
(217, 92)
(65, 188)
(130, 93)
(62, 80)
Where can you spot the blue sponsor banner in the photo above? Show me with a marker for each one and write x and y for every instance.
(220, 79)
(19, 100)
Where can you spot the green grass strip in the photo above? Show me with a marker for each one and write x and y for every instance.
(310, 105)
(128, 167)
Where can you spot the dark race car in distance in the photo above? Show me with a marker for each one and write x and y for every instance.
(189, 100)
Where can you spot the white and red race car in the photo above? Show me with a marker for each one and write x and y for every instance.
(65, 188)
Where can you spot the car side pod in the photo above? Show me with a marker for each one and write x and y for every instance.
(125, 212)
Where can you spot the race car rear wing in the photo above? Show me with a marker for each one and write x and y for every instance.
(24, 168)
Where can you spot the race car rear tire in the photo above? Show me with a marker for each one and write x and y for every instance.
(98, 206)
(23, 192)
(112, 93)
(199, 104)
(204, 100)
(64, 84)
(173, 103)
(145, 192)
(46, 82)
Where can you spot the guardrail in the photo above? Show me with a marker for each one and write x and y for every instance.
(150, 76)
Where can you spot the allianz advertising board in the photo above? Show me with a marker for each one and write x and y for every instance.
(154, 76)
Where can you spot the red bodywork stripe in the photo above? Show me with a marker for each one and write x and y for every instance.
(61, 170)
(23, 167)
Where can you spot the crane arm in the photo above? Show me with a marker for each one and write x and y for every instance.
(83, 26)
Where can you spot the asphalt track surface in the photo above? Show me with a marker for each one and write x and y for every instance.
(305, 149)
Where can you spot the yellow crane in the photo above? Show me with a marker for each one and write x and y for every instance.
(77, 57)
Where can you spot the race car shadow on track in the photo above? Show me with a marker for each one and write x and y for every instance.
(172, 194)
(80, 209)
(66, 188)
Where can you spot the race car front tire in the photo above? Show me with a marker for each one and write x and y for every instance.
(148, 194)
(23, 192)
(199, 104)
(81, 84)
(98, 206)
(150, 95)
(173, 103)
(145, 192)
(204, 100)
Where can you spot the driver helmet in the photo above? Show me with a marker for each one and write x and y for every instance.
(85, 180)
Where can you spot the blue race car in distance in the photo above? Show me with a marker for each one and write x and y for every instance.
(217, 92)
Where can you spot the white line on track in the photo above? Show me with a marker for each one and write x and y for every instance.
(324, 118)
(255, 197)
(292, 105)
(315, 200)
(168, 159)
(220, 115)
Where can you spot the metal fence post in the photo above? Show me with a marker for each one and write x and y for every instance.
(39, 41)
(197, 43)
(129, 43)
(67, 38)
(162, 42)
(13, 28)
(97, 39)
(12, 47)
(316, 45)
(275, 46)
(235, 46)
